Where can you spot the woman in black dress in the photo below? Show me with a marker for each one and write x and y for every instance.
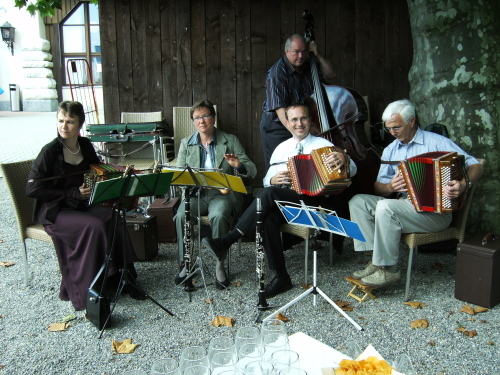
(79, 231)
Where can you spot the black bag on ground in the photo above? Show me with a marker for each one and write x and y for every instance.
(98, 306)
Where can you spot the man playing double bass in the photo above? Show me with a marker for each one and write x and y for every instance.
(288, 81)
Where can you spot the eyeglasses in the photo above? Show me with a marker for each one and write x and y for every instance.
(394, 128)
(296, 120)
(198, 119)
(298, 52)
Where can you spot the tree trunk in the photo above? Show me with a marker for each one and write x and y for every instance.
(455, 81)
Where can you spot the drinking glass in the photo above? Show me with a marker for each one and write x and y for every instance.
(282, 359)
(197, 370)
(246, 335)
(404, 365)
(273, 342)
(292, 371)
(249, 353)
(165, 366)
(272, 326)
(223, 361)
(259, 368)
(221, 344)
(193, 356)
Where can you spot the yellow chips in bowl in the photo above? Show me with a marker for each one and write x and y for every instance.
(368, 366)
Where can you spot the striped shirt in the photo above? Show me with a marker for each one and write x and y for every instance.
(285, 86)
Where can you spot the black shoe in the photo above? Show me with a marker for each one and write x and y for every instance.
(215, 247)
(179, 279)
(277, 285)
(221, 285)
(134, 293)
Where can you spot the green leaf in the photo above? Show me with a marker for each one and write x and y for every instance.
(68, 318)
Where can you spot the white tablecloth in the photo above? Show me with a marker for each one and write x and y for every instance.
(314, 355)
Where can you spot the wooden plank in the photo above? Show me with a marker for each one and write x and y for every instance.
(110, 75)
(152, 58)
(274, 46)
(169, 58)
(198, 48)
(259, 70)
(377, 78)
(123, 65)
(348, 43)
(405, 50)
(228, 73)
(244, 124)
(183, 38)
(213, 50)
(362, 47)
(391, 61)
(333, 44)
(139, 56)
(287, 22)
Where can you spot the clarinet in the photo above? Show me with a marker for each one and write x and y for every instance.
(188, 285)
(262, 304)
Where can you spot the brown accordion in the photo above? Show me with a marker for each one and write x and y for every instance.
(311, 176)
(103, 172)
(427, 174)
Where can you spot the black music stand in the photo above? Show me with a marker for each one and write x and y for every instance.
(319, 219)
(191, 179)
(130, 185)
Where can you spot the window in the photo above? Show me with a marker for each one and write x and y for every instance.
(81, 40)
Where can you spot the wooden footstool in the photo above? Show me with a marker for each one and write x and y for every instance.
(357, 287)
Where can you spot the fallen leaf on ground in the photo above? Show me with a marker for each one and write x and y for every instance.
(490, 343)
(419, 323)
(282, 317)
(6, 264)
(69, 318)
(479, 309)
(306, 286)
(237, 283)
(415, 305)
(222, 321)
(437, 266)
(467, 333)
(123, 347)
(344, 305)
(57, 327)
(432, 343)
(468, 310)
(209, 300)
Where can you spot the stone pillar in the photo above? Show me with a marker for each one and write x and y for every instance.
(39, 87)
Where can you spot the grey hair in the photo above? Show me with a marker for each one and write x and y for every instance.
(403, 107)
(290, 40)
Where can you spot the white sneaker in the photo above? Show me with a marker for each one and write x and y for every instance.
(383, 276)
(358, 275)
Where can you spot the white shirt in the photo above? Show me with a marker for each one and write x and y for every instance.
(288, 149)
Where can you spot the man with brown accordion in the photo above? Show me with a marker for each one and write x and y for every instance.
(277, 183)
(382, 220)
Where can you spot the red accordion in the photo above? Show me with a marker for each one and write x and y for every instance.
(427, 174)
(311, 176)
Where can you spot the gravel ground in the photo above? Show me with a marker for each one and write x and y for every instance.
(27, 346)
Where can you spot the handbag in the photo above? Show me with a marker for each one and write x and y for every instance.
(98, 306)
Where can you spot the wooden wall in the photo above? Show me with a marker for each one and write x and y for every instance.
(158, 54)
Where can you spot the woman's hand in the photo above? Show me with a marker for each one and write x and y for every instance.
(84, 192)
(233, 160)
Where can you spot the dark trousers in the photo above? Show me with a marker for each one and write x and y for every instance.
(272, 133)
(272, 218)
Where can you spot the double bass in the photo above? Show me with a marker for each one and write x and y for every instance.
(337, 110)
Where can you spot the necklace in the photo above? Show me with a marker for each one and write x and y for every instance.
(71, 152)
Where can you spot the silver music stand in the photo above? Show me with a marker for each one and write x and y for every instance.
(319, 219)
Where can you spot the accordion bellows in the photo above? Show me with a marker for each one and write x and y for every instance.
(311, 176)
(427, 174)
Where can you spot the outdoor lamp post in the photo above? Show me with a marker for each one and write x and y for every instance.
(8, 32)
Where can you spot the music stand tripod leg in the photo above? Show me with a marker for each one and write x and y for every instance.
(315, 290)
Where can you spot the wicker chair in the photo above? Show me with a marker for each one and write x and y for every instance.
(306, 233)
(16, 176)
(456, 230)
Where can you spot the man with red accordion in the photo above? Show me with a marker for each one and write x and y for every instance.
(382, 220)
(278, 177)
